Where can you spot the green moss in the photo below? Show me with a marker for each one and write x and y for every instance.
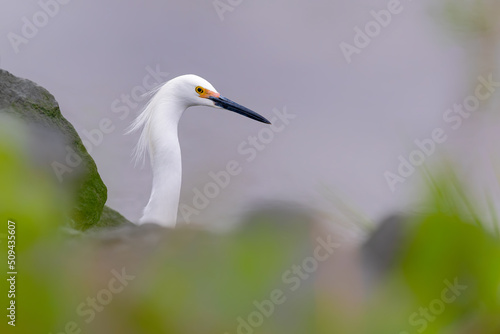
(35, 106)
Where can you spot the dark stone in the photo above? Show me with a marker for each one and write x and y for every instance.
(53, 137)
(111, 218)
(381, 251)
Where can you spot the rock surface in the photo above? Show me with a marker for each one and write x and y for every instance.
(58, 148)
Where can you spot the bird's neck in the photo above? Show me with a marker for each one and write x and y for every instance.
(165, 156)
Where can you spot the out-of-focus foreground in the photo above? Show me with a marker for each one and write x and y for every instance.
(280, 272)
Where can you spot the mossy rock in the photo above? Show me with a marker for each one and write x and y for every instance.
(55, 140)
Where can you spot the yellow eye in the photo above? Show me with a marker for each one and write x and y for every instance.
(200, 90)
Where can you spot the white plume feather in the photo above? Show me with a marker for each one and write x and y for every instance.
(143, 122)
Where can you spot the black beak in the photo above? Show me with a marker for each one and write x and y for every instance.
(233, 106)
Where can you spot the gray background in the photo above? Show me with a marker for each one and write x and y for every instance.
(353, 120)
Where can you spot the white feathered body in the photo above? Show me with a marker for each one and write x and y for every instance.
(159, 123)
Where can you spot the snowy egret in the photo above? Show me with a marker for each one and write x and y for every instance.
(158, 123)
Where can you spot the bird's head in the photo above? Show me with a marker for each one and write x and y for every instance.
(196, 91)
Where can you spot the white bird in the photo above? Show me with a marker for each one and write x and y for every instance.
(159, 121)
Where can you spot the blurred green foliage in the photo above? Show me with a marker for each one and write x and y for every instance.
(446, 279)
(38, 207)
(472, 16)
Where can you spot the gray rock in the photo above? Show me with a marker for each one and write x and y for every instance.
(57, 147)
(111, 218)
(381, 251)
